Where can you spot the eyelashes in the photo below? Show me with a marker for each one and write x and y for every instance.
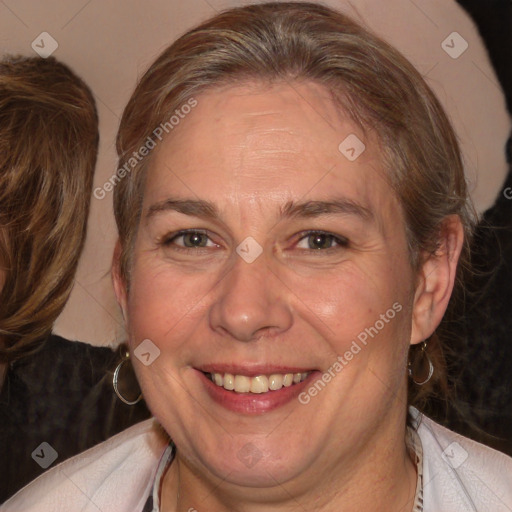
(200, 240)
(321, 240)
(191, 239)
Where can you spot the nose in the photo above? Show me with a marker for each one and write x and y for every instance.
(250, 302)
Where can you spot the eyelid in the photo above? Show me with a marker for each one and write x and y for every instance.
(170, 237)
(341, 240)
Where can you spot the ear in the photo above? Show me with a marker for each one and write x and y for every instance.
(436, 280)
(118, 281)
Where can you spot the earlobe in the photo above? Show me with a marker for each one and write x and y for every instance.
(436, 280)
(118, 280)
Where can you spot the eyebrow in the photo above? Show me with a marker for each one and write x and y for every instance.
(194, 208)
(306, 209)
(341, 205)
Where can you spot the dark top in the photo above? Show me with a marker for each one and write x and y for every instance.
(63, 396)
(479, 331)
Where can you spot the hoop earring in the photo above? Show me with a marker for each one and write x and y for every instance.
(421, 362)
(115, 379)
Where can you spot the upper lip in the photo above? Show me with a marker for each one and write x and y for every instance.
(251, 370)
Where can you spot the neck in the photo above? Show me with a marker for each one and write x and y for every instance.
(381, 478)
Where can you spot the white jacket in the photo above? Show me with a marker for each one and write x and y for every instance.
(459, 475)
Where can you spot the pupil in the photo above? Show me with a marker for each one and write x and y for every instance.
(319, 241)
(194, 240)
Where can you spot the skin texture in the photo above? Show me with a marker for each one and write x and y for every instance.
(250, 150)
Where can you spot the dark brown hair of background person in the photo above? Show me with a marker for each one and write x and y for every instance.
(48, 150)
(365, 75)
(54, 390)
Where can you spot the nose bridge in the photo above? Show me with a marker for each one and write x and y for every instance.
(249, 302)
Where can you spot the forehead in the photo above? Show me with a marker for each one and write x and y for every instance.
(260, 144)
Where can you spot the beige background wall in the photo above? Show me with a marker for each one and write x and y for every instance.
(110, 43)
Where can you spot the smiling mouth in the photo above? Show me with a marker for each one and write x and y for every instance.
(258, 384)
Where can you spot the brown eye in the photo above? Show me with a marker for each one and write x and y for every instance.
(190, 240)
(194, 239)
(318, 240)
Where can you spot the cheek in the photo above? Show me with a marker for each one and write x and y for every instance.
(163, 305)
(353, 298)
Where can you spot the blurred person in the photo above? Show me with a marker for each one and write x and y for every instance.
(52, 390)
(286, 254)
(483, 320)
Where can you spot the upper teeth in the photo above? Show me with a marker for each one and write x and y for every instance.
(258, 384)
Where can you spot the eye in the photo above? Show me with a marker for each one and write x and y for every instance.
(190, 240)
(318, 240)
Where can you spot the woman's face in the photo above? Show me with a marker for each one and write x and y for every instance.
(271, 244)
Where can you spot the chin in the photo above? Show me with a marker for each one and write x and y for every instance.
(253, 461)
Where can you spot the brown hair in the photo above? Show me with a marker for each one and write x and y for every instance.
(373, 83)
(48, 150)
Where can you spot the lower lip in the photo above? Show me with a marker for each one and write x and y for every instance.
(254, 403)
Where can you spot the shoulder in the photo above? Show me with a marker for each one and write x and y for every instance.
(57, 352)
(55, 344)
(462, 474)
(92, 480)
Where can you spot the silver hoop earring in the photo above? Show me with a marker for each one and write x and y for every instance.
(115, 382)
(419, 362)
